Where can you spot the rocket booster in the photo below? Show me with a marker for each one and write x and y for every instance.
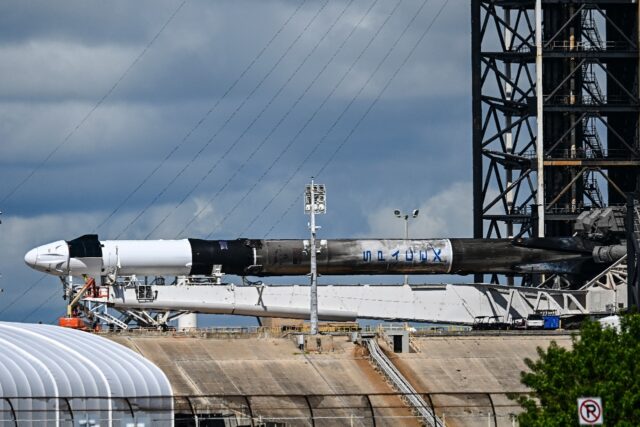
(288, 257)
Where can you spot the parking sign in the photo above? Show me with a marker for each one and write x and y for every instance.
(590, 411)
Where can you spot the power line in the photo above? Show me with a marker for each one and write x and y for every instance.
(48, 299)
(374, 102)
(95, 107)
(166, 187)
(336, 121)
(384, 88)
(313, 115)
(19, 297)
(280, 121)
(203, 118)
(301, 164)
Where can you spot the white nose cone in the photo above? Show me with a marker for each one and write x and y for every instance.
(52, 258)
(31, 258)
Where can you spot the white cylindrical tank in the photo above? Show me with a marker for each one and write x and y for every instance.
(188, 322)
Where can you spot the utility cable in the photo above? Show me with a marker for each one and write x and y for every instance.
(95, 107)
(277, 125)
(35, 310)
(333, 125)
(186, 167)
(317, 110)
(203, 118)
(26, 291)
(373, 103)
(384, 88)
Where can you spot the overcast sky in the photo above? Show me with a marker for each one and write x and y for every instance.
(212, 126)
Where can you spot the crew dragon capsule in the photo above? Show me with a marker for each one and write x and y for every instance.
(247, 257)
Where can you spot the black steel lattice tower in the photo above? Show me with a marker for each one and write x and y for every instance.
(590, 110)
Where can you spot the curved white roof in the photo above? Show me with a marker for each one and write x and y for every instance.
(45, 360)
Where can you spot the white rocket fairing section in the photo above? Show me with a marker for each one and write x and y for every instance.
(124, 257)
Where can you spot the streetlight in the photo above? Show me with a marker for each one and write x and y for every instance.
(399, 214)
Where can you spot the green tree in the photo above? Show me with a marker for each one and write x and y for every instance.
(603, 362)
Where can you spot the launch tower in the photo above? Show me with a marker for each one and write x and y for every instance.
(590, 157)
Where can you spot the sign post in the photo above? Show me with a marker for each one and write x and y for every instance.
(590, 411)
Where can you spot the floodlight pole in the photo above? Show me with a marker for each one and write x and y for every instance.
(406, 242)
(405, 217)
(314, 266)
(315, 201)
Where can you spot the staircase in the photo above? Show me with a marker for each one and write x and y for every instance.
(401, 384)
(110, 319)
(592, 190)
(591, 139)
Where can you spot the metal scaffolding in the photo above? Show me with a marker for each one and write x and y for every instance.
(589, 108)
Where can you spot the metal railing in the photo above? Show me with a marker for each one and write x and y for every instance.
(585, 99)
(420, 330)
(573, 46)
(582, 153)
(400, 383)
(585, 46)
(241, 331)
(348, 409)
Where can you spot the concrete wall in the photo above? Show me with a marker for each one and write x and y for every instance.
(259, 366)
(471, 366)
(462, 368)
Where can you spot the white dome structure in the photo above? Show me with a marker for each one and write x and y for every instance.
(59, 376)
